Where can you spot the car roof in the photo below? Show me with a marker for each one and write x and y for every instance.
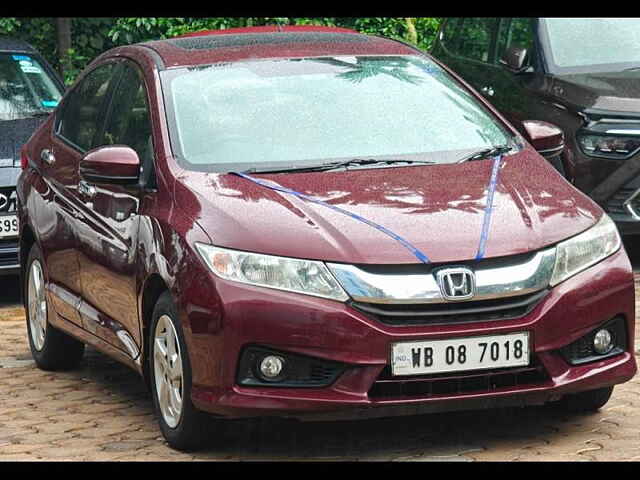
(208, 47)
(8, 44)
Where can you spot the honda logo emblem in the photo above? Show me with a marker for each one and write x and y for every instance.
(457, 283)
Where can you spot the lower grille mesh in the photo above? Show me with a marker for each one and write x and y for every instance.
(425, 386)
(452, 312)
(9, 250)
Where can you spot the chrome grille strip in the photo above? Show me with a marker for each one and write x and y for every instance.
(629, 206)
(528, 276)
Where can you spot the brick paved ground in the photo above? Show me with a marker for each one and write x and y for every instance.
(102, 412)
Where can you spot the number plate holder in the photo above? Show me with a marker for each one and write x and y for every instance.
(11, 231)
(460, 354)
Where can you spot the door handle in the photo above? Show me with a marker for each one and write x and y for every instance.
(47, 156)
(86, 190)
(488, 91)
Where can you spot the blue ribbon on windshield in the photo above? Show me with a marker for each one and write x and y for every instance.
(488, 209)
(415, 251)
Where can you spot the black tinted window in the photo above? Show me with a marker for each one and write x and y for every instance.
(80, 118)
(128, 122)
(470, 37)
(516, 33)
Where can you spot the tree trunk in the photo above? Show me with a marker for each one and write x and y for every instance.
(412, 34)
(64, 43)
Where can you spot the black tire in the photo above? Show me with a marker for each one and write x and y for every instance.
(191, 429)
(59, 351)
(589, 401)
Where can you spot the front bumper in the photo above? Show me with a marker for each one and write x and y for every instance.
(334, 331)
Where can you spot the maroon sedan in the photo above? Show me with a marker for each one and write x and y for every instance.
(317, 224)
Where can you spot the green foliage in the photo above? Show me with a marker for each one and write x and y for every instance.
(89, 39)
(9, 25)
(92, 36)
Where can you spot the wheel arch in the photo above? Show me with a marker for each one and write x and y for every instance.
(153, 288)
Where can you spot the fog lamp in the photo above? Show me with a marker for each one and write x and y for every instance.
(271, 366)
(602, 342)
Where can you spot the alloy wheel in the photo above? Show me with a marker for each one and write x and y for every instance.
(37, 305)
(168, 374)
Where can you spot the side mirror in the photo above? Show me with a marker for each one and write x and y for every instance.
(113, 164)
(513, 59)
(545, 137)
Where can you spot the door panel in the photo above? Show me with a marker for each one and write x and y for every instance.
(76, 124)
(108, 234)
(59, 243)
(107, 252)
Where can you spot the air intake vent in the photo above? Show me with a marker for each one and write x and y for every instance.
(450, 313)
(447, 384)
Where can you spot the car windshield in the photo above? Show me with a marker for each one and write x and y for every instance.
(589, 45)
(26, 89)
(306, 111)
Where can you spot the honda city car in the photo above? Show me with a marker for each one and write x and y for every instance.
(313, 223)
(29, 91)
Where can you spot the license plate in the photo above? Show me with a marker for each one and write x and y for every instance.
(8, 226)
(460, 354)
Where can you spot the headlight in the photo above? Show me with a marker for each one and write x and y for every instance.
(588, 248)
(609, 146)
(290, 274)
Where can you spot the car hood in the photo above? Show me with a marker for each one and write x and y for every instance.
(14, 134)
(439, 209)
(617, 91)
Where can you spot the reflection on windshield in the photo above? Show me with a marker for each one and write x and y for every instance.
(366, 67)
(309, 111)
(25, 87)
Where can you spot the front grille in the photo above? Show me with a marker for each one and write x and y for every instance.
(9, 250)
(427, 386)
(452, 312)
(615, 204)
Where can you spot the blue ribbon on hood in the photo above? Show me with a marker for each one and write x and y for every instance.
(414, 250)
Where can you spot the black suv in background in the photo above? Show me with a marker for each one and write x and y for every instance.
(29, 91)
(581, 74)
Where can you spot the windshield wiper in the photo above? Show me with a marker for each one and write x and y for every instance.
(631, 68)
(487, 152)
(335, 165)
(39, 113)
